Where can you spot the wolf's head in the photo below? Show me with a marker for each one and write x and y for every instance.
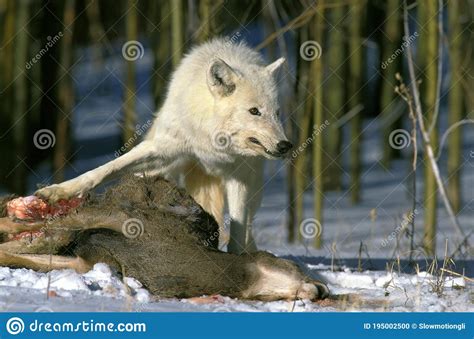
(246, 108)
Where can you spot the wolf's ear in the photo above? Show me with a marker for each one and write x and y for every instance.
(274, 66)
(221, 78)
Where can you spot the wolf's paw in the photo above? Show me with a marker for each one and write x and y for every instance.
(58, 192)
(53, 193)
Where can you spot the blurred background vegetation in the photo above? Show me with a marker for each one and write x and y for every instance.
(54, 54)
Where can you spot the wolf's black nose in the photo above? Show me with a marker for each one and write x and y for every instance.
(284, 146)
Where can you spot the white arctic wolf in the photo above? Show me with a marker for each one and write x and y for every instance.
(218, 123)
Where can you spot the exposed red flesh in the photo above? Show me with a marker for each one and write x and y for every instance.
(34, 208)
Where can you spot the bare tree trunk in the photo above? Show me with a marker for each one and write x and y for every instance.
(290, 180)
(393, 41)
(66, 93)
(455, 104)
(177, 36)
(426, 139)
(268, 28)
(317, 72)
(205, 27)
(335, 94)
(355, 81)
(8, 30)
(208, 24)
(161, 49)
(301, 158)
(96, 30)
(304, 113)
(20, 88)
(130, 118)
(34, 73)
(429, 38)
(6, 103)
(192, 21)
(294, 196)
(3, 10)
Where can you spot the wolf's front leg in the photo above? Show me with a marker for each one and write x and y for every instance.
(144, 153)
(244, 197)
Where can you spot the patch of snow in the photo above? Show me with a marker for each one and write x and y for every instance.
(349, 279)
(101, 290)
(99, 281)
(384, 281)
(455, 282)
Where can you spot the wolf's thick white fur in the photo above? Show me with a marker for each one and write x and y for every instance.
(218, 123)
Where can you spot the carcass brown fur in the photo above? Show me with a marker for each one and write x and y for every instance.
(149, 229)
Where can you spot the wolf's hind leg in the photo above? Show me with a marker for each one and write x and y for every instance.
(43, 262)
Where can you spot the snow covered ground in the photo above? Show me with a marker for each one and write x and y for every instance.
(100, 290)
(373, 226)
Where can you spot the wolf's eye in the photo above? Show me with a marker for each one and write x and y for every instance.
(254, 111)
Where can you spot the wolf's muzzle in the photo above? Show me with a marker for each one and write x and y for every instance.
(284, 146)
